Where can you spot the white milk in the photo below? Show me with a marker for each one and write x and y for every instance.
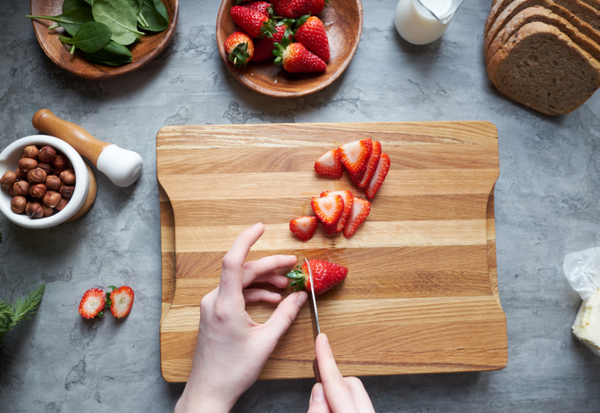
(416, 25)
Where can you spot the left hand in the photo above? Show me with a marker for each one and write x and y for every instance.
(231, 348)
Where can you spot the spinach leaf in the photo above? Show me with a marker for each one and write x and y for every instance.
(156, 22)
(113, 54)
(90, 2)
(120, 17)
(74, 4)
(161, 9)
(70, 20)
(90, 37)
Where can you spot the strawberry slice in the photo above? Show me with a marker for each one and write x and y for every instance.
(92, 303)
(330, 164)
(328, 209)
(355, 156)
(121, 301)
(348, 201)
(360, 211)
(304, 227)
(326, 275)
(383, 167)
(371, 165)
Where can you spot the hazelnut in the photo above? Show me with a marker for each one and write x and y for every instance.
(21, 188)
(34, 210)
(62, 204)
(51, 199)
(27, 164)
(47, 154)
(17, 204)
(47, 210)
(60, 162)
(53, 182)
(21, 174)
(11, 191)
(37, 190)
(67, 191)
(31, 152)
(46, 167)
(36, 176)
(68, 177)
(8, 179)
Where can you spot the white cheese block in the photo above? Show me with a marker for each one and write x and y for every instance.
(587, 324)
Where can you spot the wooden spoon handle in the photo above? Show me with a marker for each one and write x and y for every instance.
(80, 139)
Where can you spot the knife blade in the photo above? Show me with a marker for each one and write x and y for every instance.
(314, 300)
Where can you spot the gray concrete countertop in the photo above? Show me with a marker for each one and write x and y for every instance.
(547, 205)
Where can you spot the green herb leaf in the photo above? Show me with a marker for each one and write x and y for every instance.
(154, 19)
(161, 9)
(70, 20)
(75, 4)
(90, 37)
(120, 17)
(11, 315)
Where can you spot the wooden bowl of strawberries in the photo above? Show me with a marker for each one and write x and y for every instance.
(288, 48)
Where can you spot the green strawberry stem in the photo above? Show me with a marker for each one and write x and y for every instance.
(299, 279)
(239, 56)
(268, 29)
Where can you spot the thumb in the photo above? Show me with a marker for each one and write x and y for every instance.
(285, 314)
(318, 403)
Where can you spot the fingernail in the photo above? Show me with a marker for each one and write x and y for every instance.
(301, 299)
(324, 339)
(317, 395)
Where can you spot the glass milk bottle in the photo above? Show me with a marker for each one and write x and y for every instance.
(424, 21)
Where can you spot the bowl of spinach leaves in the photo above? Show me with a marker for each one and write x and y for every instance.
(102, 39)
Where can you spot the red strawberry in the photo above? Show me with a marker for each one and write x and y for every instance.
(371, 165)
(92, 303)
(330, 164)
(355, 156)
(121, 301)
(360, 212)
(297, 8)
(296, 59)
(348, 201)
(279, 7)
(239, 48)
(261, 7)
(252, 22)
(326, 275)
(304, 227)
(265, 46)
(328, 209)
(383, 167)
(311, 33)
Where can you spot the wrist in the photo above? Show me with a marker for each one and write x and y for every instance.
(197, 401)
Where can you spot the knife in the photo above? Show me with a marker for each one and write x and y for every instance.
(314, 300)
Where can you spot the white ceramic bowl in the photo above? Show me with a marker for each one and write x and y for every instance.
(9, 158)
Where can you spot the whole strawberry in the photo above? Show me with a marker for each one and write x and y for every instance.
(295, 58)
(265, 46)
(311, 33)
(326, 275)
(279, 7)
(252, 22)
(239, 48)
(261, 6)
(297, 8)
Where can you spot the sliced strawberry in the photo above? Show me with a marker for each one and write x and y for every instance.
(330, 164)
(348, 201)
(360, 211)
(304, 227)
(328, 209)
(92, 303)
(121, 301)
(355, 156)
(371, 165)
(326, 275)
(383, 167)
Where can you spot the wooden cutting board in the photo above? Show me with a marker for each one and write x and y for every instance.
(421, 295)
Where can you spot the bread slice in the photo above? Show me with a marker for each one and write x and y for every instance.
(580, 15)
(543, 15)
(542, 68)
(594, 3)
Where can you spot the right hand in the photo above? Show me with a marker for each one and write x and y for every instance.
(336, 394)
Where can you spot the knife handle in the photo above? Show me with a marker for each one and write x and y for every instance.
(316, 371)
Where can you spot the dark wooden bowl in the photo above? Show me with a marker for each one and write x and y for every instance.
(143, 52)
(343, 21)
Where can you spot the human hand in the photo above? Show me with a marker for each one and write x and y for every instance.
(336, 394)
(231, 348)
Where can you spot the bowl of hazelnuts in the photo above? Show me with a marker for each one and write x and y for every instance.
(43, 181)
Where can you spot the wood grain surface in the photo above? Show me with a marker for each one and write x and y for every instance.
(421, 295)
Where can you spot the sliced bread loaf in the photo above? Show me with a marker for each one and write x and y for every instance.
(542, 68)
(594, 3)
(541, 14)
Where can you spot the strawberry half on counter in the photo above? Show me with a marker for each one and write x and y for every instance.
(311, 33)
(121, 301)
(326, 275)
(92, 303)
(304, 227)
(252, 22)
(239, 48)
(328, 209)
(383, 167)
(330, 164)
(295, 58)
(360, 211)
(355, 156)
(348, 201)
